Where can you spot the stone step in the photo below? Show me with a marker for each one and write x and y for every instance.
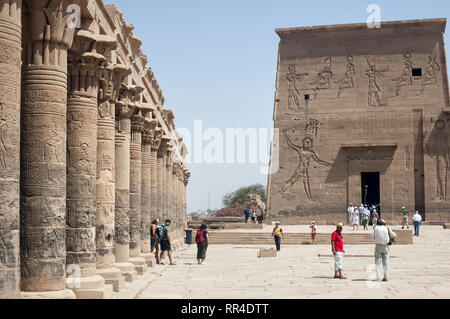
(404, 237)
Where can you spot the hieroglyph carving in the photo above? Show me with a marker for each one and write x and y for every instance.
(294, 93)
(305, 154)
(438, 148)
(348, 81)
(374, 89)
(405, 79)
(431, 71)
(323, 78)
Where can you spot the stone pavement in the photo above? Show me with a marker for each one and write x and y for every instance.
(234, 271)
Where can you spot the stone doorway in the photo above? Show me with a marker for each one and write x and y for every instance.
(370, 189)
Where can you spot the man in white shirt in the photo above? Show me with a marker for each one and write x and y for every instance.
(382, 236)
(417, 222)
(350, 211)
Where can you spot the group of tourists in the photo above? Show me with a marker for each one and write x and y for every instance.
(362, 215)
(255, 219)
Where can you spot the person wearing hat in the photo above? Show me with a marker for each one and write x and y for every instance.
(277, 235)
(405, 214)
(337, 246)
(383, 237)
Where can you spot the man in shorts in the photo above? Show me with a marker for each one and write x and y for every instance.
(165, 241)
(405, 214)
(337, 246)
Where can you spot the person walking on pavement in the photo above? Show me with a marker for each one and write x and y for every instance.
(277, 235)
(383, 237)
(365, 218)
(246, 214)
(375, 218)
(154, 239)
(337, 247)
(350, 211)
(201, 239)
(165, 241)
(417, 218)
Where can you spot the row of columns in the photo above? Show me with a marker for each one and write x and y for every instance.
(93, 168)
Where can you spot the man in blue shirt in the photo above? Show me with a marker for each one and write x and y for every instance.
(247, 214)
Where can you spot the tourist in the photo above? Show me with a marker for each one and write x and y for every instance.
(365, 218)
(246, 214)
(361, 210)
(313, 233)
(383, 238)
(405, 214)
(260, 219)
(165, 242)
(202, 239)
(350, 211)
(417, 222)
(337, 246)
(154, 239)
(277, 235)
(355, 218)
(375, 218)
(254, 217)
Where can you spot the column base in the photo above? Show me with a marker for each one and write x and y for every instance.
(139, 264)
(128, 271)
(112, 276)
(92, 287)
(150, 259)
(62, 294)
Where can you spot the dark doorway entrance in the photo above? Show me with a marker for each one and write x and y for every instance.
(370, 190)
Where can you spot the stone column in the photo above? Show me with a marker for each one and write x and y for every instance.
(175, 199)
(43, 150)
(82, 109)
(10, 59)
(155, 189)
(148, 137)
(110, 81)
(137, 125)
(162, 180)
(168, 185)
(124, 111)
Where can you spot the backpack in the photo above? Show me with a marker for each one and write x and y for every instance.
(199, 238)
(160, 232)
(391, 240)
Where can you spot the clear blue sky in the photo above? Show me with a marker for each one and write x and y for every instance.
(216, 62)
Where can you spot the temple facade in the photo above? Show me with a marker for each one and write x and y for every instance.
(363, 117)
(88, 154)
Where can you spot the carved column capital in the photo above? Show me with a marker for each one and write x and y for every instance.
(46, 33)
(148, 135)
(157, 139)
(164, 146)
(137, 122)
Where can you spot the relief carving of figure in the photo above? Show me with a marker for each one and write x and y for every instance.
(438, 148)
(405, 79)
(431, 71)
(4, 126)
(348, 81)
(305, 154)
(293, 77)
(374, 89)
(323, 78)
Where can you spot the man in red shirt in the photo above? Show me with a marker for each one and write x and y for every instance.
(337, 246)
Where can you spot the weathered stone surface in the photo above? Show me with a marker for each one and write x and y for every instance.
(43, 146)
(333, 78)
(267, 253)
(10, 59)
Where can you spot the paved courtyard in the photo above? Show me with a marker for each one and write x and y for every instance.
(234, 271)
